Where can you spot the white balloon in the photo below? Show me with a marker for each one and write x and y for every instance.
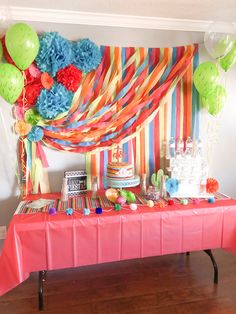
(219, 39)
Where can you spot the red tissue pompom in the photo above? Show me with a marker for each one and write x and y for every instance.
(171, 202)
(212, 186)
(29, 95)
(5, 52)
(70, 77)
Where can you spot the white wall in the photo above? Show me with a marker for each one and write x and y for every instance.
(221, 166)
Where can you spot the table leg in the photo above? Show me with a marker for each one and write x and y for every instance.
(41, 279)
(209, 252)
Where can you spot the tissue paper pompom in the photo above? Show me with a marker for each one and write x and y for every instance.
(28, 97)
(46, 80)
(36, 134)
(172, 186)
(22, 128)
(55, 53)
(70, 77)
(87, 55)
(32, 117)
(212, 186)
(51, 103)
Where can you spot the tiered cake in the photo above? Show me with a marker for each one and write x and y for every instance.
(120, 174)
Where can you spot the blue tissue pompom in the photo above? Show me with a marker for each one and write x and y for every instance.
(55, 53)
(51, 103)
(87, 55)
(172, 186)
(36, 134)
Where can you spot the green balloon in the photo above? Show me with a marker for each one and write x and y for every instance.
(22, 43)
(214, 102)
(205, 78)
(11, 82)
(1, 51)
(229, 60)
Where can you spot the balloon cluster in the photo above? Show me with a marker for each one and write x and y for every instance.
(22, 45)
(220, 43)
(213, 95)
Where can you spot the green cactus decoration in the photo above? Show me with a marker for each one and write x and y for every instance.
(156, 178)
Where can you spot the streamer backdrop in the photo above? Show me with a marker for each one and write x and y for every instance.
(137, 97)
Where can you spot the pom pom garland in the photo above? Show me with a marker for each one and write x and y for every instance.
(29, 95)
(87, 55)
(184, 201)
(70, 77)
(69, 211)
(22, 128)
(36, 134)
(86, 211)
(196, 201)
(55, 53)
(52, 211)
(133, 206)
(212, 186)
(171, 202)
(117, 206)
(99, 210)
(211, 200)
(150, 203)
(51, 103)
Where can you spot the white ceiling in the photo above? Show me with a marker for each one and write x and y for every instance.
(210, 10)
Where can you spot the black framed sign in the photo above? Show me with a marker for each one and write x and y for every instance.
(76, 182)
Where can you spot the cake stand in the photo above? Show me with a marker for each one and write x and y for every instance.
(122, 183)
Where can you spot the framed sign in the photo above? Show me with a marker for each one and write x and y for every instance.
(76, 182)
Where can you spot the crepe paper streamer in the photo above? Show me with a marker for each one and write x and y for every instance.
(212, 186)
(69, 211)
(117, 206)
(98, 210)
(184, 201)
(150, 203)
(211, 200)
(171, 202)
(196, 201)
(133, 206)
(86, 211)
(52, 211)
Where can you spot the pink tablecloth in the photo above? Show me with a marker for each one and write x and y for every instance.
(42, 242)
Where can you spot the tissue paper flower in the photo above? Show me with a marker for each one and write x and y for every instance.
(31, 116)
(172, 186)
(51, 103)
(36, 134)
(46, 80)
(22, 128)
(70, 77)
(29, 95)
(55, 53)
(87, 55)
(212, 186)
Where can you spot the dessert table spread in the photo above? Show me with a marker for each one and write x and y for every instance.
(39, 241)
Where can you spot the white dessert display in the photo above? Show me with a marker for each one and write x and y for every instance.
(189, 167)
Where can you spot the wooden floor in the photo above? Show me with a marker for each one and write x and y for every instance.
(169, 284)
